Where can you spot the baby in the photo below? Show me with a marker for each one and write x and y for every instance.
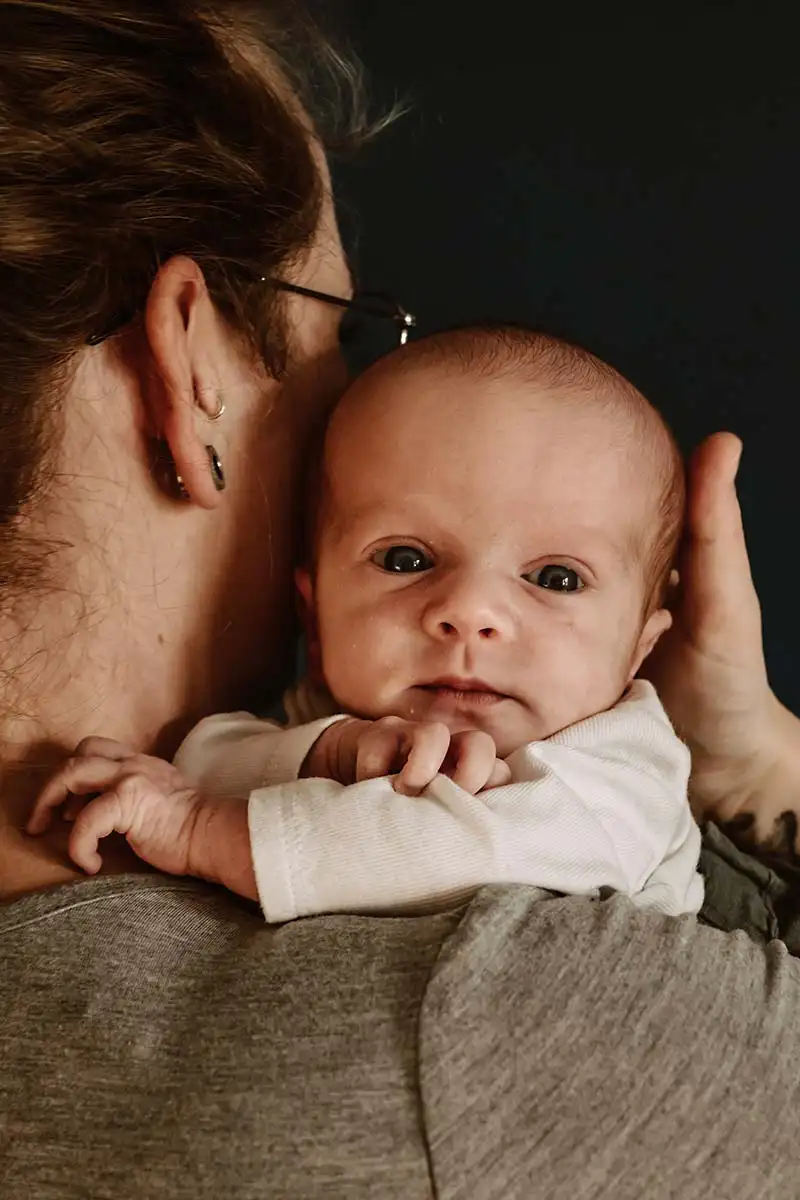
(490, 537)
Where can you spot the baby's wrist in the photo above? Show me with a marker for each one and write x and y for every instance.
(219, 847)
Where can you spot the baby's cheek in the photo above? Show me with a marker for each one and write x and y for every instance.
(591, 673)
(353, 661)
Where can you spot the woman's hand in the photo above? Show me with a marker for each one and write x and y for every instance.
(709, 668)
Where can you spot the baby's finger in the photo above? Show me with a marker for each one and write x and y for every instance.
(102, 747)
(377, 753)
(474, 754)
(500, 776)
(429, 744)
(74, 807)
(99, 818)
(81, 776)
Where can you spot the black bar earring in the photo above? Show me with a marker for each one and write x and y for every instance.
(217, 473)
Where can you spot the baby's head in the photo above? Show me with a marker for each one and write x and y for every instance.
(496, 517)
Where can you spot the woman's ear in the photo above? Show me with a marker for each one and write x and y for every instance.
(182, 332)
(308, 618)
(656, 624)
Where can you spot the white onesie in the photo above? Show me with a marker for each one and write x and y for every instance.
(602, 804)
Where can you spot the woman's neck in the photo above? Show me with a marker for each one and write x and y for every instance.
(89, 682)
(113, 653)
(147, 626)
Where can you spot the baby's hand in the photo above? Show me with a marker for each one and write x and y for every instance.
(144, 798)
(415, 751)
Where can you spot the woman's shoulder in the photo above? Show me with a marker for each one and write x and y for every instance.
(520, 1028)
(183, 929)
(665, 1050)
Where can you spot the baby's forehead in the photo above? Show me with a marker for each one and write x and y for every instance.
(442, 405)
(513, 452)
(478, 417)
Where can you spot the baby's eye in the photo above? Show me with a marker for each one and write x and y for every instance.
(404, 559)
(556, 578)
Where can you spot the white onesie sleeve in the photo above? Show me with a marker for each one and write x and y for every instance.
(601, 804)
(232, 754)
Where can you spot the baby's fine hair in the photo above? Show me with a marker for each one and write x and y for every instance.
(494, 352)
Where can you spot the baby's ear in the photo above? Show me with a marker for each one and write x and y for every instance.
(308, 616)
(656, 624)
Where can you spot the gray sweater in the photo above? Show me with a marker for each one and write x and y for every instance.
(158, 1040)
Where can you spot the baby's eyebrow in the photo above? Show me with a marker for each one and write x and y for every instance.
(595, 538)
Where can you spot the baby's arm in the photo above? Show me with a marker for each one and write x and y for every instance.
(167, 822)
(183, 829)
(602, 804)
(232, 754)
(184, 818)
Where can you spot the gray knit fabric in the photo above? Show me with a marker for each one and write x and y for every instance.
(157, 1040)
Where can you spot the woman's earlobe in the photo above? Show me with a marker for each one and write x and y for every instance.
(169, 478)
(165, 473)
(183, 343)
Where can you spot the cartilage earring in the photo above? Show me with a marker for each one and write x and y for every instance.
(215, 416)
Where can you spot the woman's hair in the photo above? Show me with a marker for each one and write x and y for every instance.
(131, 131)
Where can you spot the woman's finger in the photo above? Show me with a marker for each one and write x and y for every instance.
(80, 776)
(100, 817)
(717, 592)
(473, 754)
(427, 746)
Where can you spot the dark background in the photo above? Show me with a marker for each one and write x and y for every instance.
(626, 176)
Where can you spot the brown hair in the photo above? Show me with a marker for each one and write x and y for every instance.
(131, 131)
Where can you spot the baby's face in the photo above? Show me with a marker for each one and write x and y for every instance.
(480, 557)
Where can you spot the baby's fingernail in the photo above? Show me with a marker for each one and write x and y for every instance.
(405, 790)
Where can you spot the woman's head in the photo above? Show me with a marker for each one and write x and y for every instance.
(159, 168)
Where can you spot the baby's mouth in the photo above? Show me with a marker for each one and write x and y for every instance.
(463, 692)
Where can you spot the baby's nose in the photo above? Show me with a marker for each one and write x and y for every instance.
(467, 613)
